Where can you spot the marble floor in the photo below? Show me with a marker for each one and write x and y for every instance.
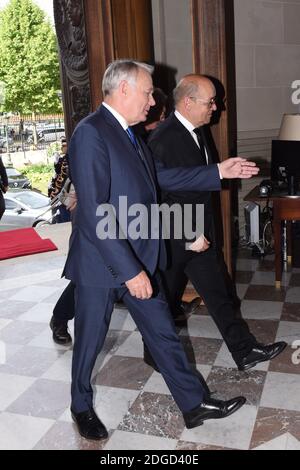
(131, 399)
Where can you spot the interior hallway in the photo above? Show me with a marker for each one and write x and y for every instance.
(131, 399)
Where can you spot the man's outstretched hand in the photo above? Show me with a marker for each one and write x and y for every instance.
(199, 245)
(140, 286)
(238, 168)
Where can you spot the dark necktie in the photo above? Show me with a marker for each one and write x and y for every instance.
(198, 133)
(133, 140)
(139, 151)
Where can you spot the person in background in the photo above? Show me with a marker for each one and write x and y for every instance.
(12, 133)
(61, 173)
(3, 187)
(21, 126)
(156, 115)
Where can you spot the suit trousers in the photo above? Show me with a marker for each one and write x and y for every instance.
(64, 309)
(2, 204)
(153, 318)
(206, 273)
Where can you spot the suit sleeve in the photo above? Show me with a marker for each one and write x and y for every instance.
(91, 176)
(197, 178)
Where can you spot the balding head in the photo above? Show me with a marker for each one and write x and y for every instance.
(193, 99)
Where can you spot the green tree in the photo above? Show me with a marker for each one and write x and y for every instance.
(29, 66)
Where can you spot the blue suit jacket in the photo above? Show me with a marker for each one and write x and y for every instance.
(104, 166)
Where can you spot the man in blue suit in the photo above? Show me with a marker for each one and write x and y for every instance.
(108, 163)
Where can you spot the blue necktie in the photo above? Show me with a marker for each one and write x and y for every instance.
(139, 151)
(132, 137)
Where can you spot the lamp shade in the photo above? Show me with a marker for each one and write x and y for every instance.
(290, 127)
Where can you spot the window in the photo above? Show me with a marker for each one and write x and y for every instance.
(11, 205)
(33, 200)
(12, 172)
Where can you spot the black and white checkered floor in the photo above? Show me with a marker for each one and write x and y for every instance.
(132, 399)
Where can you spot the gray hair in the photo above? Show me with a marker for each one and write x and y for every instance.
(123, 69)
(183, 89)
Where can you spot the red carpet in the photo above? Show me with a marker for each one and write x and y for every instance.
(23, 241)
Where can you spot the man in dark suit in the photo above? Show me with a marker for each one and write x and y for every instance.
(3, 187)
(64, 309)
(107, 262)
(180, 142)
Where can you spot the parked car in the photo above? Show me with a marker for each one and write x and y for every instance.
(25, 209)
(48, 134)
(3, 141)
(17, 179)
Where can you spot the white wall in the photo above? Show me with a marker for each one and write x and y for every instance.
(267, 35)
(172, 31)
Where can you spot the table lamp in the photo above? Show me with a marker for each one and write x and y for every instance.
(290, 131)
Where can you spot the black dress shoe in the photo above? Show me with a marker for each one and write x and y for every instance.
(185, 311)
(212, 409)
(261, 353)
(189, 308)
(60, 332)
(89, 425)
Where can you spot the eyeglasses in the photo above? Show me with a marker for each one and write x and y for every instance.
(210, 103)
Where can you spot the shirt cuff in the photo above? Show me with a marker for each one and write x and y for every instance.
(220, 174)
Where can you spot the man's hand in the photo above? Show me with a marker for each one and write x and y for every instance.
(238, 168)
(140, 286)
(201, 244)
(72, 199)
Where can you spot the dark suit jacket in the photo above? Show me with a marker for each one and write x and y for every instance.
(104, 166)
(3, 176)
(173, 145)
